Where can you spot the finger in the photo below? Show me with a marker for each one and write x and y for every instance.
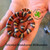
(3, 38)
(5, 18)
(13, 43)
(29, 38)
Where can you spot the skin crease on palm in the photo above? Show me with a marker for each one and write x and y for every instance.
(15, 6)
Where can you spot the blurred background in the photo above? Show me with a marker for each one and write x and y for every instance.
(41, 37)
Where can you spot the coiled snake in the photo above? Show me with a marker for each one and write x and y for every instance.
(23, 25)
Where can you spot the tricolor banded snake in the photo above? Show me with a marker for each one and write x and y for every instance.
(25, 21)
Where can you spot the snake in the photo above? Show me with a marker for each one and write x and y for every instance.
(23, 25)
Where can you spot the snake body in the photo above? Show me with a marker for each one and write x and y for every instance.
(23, 25)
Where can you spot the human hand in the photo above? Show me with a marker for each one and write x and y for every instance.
(14, 7)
